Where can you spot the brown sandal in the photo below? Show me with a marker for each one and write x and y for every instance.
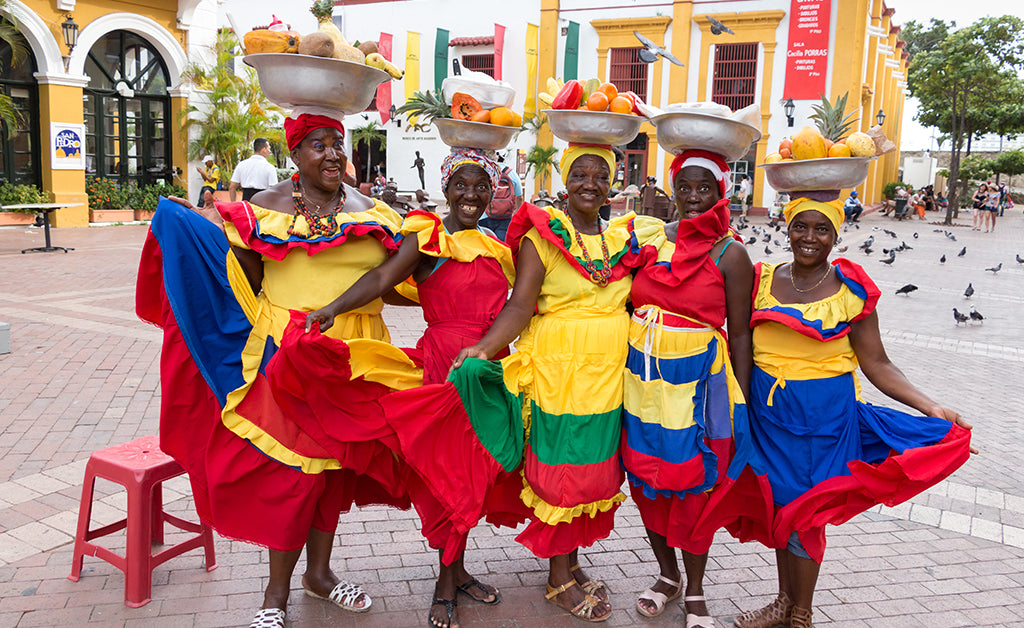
(801, 618)
(597, 588)
(775, 614)
(584, 610)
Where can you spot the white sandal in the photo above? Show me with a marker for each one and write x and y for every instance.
(698, 621)
(659, 599)
(268, 618)
(345, 595)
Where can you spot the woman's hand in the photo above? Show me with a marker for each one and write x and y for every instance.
(324, 316)
(953, 417)
(208, 212)
(476, 351)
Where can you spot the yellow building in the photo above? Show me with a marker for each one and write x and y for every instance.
(114, 97)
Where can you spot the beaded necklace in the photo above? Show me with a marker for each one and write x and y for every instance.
(318, 225)
(598, 276)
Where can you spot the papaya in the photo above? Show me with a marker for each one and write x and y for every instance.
(809, 144)
(464, 106)
(264, 40)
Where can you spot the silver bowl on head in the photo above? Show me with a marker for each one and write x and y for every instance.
(468, 134)
(679, 131)
(593, 127)
(293, 80)
(806, 175)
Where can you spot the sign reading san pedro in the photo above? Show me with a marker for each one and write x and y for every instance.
(67, 146)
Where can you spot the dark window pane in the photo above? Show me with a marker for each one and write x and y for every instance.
(735, 74)
(479, 63)
(627, 72)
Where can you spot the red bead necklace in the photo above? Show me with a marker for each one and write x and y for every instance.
(319, 225)
(598, 276)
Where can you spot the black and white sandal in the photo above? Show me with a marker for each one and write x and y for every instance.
(345, 595)
(268, 618)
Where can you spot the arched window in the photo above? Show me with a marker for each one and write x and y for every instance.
(127, 111)
(19, 147)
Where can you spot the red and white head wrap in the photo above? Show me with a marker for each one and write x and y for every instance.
(296, 129)
(703, 159)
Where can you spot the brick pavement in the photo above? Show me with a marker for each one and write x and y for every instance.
(83, 374)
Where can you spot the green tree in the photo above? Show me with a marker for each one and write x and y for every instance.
(11, 38)
(1010, 163)
(368, 135)
(541, 159)
(967, 83)
(975, 168)
(239, 111)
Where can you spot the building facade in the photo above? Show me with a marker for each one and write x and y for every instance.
(110, 107)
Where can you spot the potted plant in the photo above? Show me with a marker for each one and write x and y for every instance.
(20, 194)
(143, 201)
(107, 201)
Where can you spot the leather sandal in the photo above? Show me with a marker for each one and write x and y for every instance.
(694, 620)
(775, 614)
(487, 589)
(584, 610)
(449, 607)
(801, 618)
(597, 588)
(659, 598)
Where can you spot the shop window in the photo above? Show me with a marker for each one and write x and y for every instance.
(479, 63)
(627, 72)
(127, 111)
(19, 146)
(735, 75)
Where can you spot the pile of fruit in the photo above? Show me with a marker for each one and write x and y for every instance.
(327, 42)
(591, 95)
(829, 139)
(427, 106)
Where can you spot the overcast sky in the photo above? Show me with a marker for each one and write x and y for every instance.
(915, 136)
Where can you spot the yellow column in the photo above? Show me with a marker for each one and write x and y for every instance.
(871, 191)
(678, 76)
(547, 60)
(178, 138)
(62, 103)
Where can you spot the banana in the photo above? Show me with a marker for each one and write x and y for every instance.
(377, 60)
(552, 85)
(546, 99)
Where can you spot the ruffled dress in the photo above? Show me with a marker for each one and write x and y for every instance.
(682, 401)
(259, 472)
(827, 454)
(565, 380)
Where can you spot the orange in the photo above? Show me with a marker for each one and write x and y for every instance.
(517, 119)
(481, 116)
(786, 144)
(502, 116)
(839, 150)
(608, 90)
(785, 152)
(620, 104)
(598, 101)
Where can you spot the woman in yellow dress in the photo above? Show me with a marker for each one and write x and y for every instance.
(568, 309)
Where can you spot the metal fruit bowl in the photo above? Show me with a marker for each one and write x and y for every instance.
(489, 95)
(679, 131)
(805, 175)
(593, 127)
(468, 134)
(293, 80)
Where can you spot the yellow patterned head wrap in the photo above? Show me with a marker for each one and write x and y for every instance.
(575, 151)
(833, 210)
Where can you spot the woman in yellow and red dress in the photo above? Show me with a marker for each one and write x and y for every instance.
(221, 285)
(827, 455)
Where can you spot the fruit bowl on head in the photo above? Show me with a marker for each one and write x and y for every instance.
(680, 131)
(593, 127)
(807, 175)
(480, 135)
(293, 80)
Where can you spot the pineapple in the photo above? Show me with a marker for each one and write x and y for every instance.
(425, 105)
(830, 120)
(323, 10)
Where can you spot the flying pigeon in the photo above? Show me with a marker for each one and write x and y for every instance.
(942, 260)
(958, 317)
(969, 291)
(907, 289)
(976, 315)
(717, 27)
(995, 269)
(962, 252)
(649, 53)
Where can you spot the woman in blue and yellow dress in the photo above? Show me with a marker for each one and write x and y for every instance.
(828, 455)
(221, 285)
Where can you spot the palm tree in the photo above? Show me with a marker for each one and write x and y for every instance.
(240, 112)
(368, 135)
(10, 38)
(541, 159)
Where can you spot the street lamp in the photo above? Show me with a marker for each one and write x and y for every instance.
(70, 30)
(790, 109)
(880, 118)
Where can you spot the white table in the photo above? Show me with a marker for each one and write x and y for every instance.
(46, 209)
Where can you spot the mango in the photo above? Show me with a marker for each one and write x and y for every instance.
(773, 158)
(839, 150)
(809, 144)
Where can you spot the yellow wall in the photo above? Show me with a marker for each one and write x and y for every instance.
(547, 60)
(61, 103)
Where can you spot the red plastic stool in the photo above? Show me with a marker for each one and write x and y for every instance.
(140, 467)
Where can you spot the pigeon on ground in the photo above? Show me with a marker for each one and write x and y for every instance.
(959, 318)
(995, 269)
(777, 243)
(976, 315)
(907, 289)
(889, 233)
(868, 251)
(905, 247)
(951, 237)
(767, 251)
(1019, 260)
(938, 231)
(969, 291)
(867, 243)
(889, 260)
(915, 235)
(962, 252)
(751, 240)
(942, 260)
(875, 228)
(856, 225)
(717, 28)
(842, 249)
(767, 237)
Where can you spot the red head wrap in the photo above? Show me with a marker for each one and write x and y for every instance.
(704, 159)
(296, 129)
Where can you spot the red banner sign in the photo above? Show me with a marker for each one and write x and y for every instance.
(807, 55)
(499, 49)
(384, 89)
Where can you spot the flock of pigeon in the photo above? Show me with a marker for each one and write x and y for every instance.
(770, 235)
